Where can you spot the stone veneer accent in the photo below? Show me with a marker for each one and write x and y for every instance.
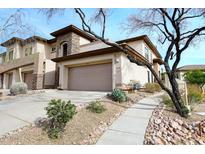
(38, 81)
(73, 41)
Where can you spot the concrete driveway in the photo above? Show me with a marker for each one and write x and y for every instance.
(23, 110)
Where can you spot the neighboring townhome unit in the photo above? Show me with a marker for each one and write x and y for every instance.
(184, 69)
(27, 60)
(85, 63)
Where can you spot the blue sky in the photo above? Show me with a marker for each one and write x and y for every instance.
(41, 26)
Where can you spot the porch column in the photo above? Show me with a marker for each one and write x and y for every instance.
(20, 75)
(38, 72)
(16, 77)
(5, 81)
(63, 77)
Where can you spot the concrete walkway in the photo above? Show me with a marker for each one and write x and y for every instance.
(130, 127)
(23, 110)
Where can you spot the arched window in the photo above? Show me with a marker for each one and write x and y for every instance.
(64, 48)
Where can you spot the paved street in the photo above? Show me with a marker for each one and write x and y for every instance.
(130, 127)
(23, 110)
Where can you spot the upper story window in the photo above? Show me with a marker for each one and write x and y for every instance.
(28, 51)
(64, 48)
(11, 55)
(53, 49)
(2, 59)
(147, 53)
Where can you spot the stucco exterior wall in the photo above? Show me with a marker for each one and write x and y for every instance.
(83, 41)
(138, 46)
(180, 75)
(49, 80)
(131, 71)
(93, 46)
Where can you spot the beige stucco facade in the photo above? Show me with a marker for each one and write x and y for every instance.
(52, 62)
(37, 63)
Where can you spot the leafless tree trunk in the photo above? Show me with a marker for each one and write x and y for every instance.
(171, 25)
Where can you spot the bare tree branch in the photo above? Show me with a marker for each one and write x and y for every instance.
(12, 24)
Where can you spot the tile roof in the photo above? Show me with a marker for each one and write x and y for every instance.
(191, 67)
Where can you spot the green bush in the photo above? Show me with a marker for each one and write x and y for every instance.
(195, 77)
(53, 133)
(18, 88)
(194, 93)
(119, 96)
(185, 111)
(152, 87)
(96, 107)
(59, 113)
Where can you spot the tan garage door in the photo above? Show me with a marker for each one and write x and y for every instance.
(90, 78)
(28, 79)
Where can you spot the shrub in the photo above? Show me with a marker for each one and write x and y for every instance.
(18, 88)
(59, 113)
(53, 133)
(194, 93)
(152, 87)
(96, 107)
(185, 111)
(195, 77)
(119, 95)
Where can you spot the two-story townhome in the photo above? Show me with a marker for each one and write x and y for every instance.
(27, 60)
(84, 63)
(75, 60)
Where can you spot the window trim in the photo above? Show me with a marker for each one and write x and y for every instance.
(147, 53)
(11, 51)
(28, 51)
(62, 50)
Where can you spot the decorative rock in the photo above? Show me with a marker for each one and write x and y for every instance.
(158, 141)
(180, 122)
(185, 131)
(200, 142)
(157, 121)
(174, 124)
(179, 133)
(185, 125)
(203, 129)
(167, 130)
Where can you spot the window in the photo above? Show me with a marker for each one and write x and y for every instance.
(152, 78)
(146, 53)
(2, 59)
(11, 54)
(53, 50)
(28, 51)
(64, 49)
(148, 75)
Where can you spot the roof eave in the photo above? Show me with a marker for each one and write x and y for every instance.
(144, 38)
(72, 28)
(86, 54)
